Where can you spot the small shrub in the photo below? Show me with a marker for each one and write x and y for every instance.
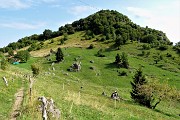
(97, 39)
(41, 43)
(143, 53)
(161, 57)
(123, 73)
(103, 39)
(38, 48)
(11, 53)
(4, 64)
(100, 53)
(35, 69)
(30, 49)
(52, 41)
(108, 36)
(88, 37)
(148, 53)
(146, 47)
(91, 46)
(61, 41)
(65, 36)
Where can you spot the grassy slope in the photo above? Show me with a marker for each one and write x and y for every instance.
(7, 93)
(88, 103)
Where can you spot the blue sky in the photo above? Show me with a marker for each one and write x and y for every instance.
(20, 18)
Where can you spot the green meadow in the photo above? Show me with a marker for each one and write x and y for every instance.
(78, 94)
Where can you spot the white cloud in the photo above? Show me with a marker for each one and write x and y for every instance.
(165, 18)
(22, 26)
(77, 10)
(15, 4)
(22, 4)
(48, 1)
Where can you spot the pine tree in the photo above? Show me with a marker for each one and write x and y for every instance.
(125, 62)
(59, 55)
(136, 94)
(118, 59)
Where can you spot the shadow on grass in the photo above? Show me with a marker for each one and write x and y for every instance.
(111, 48)
(167, 114)
(111, 65)
(156, 110)
(49, 62)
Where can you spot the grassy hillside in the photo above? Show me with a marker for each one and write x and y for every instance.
(78, 94)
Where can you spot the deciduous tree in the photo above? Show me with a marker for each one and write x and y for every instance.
(23, 55)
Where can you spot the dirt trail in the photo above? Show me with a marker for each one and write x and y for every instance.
(17, 105)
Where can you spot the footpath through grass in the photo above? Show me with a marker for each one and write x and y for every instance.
(7, 98)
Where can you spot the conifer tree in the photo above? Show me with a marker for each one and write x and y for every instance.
(59, 55)
(118, 59)
(125, 62)
(138, 81)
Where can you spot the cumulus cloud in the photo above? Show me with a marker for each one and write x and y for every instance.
(22, 26)
(16, 4)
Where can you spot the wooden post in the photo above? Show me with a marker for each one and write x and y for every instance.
(30, 87)
(4, 78)
(115, 103)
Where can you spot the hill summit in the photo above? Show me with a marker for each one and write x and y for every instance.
(110, 24)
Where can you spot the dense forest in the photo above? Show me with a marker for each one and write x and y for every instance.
(109, 24)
